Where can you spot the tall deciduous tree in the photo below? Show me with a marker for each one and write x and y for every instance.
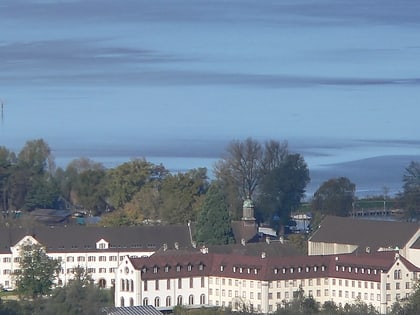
(282, 189)
(127, 179)
(182, 195)
(7, 159)
(411, 193)
(213, 226)
(37, 272)
(242, 168)
(335, 196)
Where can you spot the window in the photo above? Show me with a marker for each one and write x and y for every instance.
(80, 258)
(178, 268)
(192, 282)
(397, 274)
(7, 259)
(91, 270)
(168, 284)
(102, 270)
(202, 299)
(191, 300)
(157, 302)
(112, 258)
(122, 302)
(69, 259)
(179, 300)
(203, 283)
(102, 258)
(200, 267)
(145, 301)
(166, 268)
(155, 269)
(131, 302)
(168, 301)
(91, 258)
(179, 283)
(112, 270)
(278, 295)
(397, 286)
(407, 285)
(388, 286)
(189, 267)
(145, 285)
(156, 284)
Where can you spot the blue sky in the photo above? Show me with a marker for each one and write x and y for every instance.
(149, 77)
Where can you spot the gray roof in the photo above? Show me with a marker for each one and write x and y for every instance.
(131, 310)
(362, 232)
(84, 238)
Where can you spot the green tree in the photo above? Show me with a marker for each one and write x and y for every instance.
(282, 189)
(244, 165)
(214, 224)
(411, 190)
(335, 197)
(79, 296)
(90, 191)
(37, 272)
(127, 179)
(7, 160)
(182, 195)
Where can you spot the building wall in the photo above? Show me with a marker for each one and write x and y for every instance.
(321, 248)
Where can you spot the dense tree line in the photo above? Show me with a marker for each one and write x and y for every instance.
(138, 190)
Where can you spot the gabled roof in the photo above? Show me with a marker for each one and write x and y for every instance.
(132, 310)
(365, 233)
(270, 268)
(83, 238)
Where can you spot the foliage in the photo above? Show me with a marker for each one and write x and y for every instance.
(411, 193)
(127, 179)
(335, 197)
(37, 271)
(282, 189)
(242, 168)
(182, 195)
(213, 226)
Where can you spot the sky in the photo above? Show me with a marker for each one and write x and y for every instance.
(338, 80)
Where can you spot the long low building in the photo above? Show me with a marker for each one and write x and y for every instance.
(262, 283)
(97, 249)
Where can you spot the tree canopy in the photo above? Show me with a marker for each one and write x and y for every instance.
(213, 225)
(335, 197)
(37, 271)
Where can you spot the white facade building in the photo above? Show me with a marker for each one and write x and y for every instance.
(98, 250)
(263, 283)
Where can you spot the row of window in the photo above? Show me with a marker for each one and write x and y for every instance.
(168, 301)
(178, 268)
(284, 270)
(168, 283)
(351, 269)
(73, 258)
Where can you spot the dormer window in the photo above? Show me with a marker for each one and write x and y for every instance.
(349, 269)
(222, 268)
(240, 269)
(249, 270)
(102, 244)
(255, 270)
(292, 270)
(284, 270)
(166, 268)
(307, 269)
(178, 268)
(155, 269)
(276, 271)
(200, 267)
(189, 267)
(234, 268)
(300, 269)
(315, 268)
(322, 268)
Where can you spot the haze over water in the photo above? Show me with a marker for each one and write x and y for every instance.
(175, 81)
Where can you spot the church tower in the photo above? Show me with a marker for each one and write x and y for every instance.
(248, 212)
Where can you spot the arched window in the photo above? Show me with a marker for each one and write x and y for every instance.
(179, 300)
(145, 301)
(132, 285)
(102, 283)
(202, 299)
(122, 285)
(157, 302)
(131, 302)
(191, 299)
(122, 302)
(168, 301)
(127, 285)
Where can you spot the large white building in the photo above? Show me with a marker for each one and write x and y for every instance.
(97, 249)
(262, 283)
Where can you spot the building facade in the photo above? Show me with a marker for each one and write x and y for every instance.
(98, 250)
(263, 283)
